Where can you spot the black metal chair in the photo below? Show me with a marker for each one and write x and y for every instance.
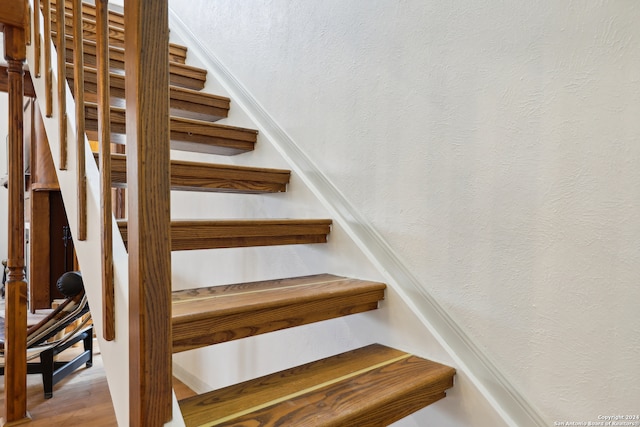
(50, 337)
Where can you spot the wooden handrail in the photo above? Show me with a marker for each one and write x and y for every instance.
(13, 14)
(104, 134)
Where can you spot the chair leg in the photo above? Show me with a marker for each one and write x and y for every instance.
(47, 365)
(88, 345)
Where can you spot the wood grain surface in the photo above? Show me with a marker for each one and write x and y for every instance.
(184, 102)
(186, 134)
(195, 176)
(370, 386)
(218, 314)
(116, 34)
(148, 138)
(233, 233)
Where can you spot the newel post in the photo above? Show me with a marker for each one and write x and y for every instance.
(15, 377)
(147, 103)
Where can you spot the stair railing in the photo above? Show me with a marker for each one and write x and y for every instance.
(148, 168)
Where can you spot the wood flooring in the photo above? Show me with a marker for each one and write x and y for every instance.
(81, 399)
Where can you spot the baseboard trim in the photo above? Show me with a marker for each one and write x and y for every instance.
(505, 398)
(193, 382)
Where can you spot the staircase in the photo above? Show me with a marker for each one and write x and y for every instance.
(370, 386)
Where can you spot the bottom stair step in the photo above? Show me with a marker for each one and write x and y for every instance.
(370, 386)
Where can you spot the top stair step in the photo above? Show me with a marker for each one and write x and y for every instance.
(177, 52)
(217, 314)
(116, 54)
(180, 74)
(89, 11)
(369, 386)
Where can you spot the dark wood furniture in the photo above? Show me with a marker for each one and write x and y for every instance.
(51, 249)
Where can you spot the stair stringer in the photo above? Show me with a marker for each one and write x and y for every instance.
(475, 369)
(115, 354)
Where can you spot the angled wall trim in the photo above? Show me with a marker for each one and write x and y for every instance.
(509, 402)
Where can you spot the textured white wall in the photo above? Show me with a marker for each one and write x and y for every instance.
(495, 146)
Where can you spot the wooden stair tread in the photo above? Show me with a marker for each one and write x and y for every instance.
(180, 74)
(177, 52)
(207, 316)
(184, 102)
(186, 134)
(116, 35)
(198, 105)
(374, 385)
(370, 386)
(116, 54)
(187, 76)
(89, 11)
(194, 176)
(234, 233)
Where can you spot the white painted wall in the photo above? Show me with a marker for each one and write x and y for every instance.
(493, 146)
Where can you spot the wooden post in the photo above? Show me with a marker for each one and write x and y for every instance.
(104, 138)
(78, 82)
(62, 85)
(48, 71)
(147, 98)
(15, 376)
(38, 40)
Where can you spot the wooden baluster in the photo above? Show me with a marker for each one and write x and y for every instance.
(38, 40)
(28, 24)
(15, 374)
(78, 82)
(62, 84)
(48, 72)
(104, 135)
(147, 97)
